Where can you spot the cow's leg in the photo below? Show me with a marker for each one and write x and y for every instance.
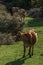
(24, 51)
(30, 51)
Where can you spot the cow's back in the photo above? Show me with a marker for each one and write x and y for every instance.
(30, 38)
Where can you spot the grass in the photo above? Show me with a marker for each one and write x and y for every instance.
(12, 54)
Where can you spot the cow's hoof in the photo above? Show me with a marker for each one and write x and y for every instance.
(30, 56)
(23, 56)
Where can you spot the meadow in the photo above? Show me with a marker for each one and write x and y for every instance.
(12, 54)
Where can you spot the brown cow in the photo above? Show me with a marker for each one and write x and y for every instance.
(29, 39)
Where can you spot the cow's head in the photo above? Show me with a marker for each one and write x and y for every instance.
(19, 36)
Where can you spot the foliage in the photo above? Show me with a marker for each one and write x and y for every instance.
(10, 25)
(26, 4)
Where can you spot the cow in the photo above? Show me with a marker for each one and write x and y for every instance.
(29, 39)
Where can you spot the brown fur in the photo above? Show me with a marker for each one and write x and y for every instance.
(29, 39)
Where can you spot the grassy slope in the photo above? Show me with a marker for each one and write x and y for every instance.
(12, 54)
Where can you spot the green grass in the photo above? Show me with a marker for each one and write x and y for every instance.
(12, 54)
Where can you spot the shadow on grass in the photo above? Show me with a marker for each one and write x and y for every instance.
(18, 61)
(41, 54)
(35, 22)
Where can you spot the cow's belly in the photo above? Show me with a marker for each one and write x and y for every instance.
(28, 43)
